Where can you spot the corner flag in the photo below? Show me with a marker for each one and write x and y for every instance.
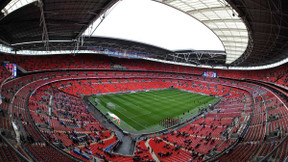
(114, 117)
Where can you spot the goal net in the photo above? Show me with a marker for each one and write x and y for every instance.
(110, 105)
(96, 100)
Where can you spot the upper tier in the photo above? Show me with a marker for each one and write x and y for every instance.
(276, 75)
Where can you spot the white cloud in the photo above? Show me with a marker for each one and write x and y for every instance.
(157, 24)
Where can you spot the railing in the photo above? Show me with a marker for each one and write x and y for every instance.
(269, 157)
(38, 131)
(15, 150)
(238, 139)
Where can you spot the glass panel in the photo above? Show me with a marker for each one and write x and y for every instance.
(14, 5)
(162, 26)
(218, 15)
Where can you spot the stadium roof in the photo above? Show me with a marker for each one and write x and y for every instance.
(222, 19)
(31, 24)
(265, 20)
(162, 26)
(37, 20)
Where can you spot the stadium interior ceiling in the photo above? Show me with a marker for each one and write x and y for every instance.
(56, 25)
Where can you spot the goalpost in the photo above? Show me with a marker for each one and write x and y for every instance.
(96, 100)
(110, 105)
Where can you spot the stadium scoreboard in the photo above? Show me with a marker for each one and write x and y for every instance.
(210, 74)
(12, 68)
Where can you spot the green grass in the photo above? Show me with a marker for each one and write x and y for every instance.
(142, 111)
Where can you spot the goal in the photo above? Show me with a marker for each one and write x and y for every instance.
(110, 105)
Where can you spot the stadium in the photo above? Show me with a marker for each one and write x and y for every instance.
(69, 93)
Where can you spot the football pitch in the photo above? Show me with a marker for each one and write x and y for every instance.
(143, 111)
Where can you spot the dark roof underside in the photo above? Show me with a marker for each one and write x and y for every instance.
(267, 22)
(65, 20)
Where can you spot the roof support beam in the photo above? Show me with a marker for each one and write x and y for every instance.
(4, 3)
(229, 29)
(37, 42)
(221, 20)
(208, 9)
(45, 36)
(232, 36)
(267, 24)
(235, 46)
(96, 16)
(4, 42)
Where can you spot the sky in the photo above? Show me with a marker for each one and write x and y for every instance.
(156, 24)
